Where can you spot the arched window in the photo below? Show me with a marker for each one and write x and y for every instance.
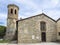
(15, 11)
(42, 25)
(11, 11)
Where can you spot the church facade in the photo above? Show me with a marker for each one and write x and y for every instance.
(35, 29)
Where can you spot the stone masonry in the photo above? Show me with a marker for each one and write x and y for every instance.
(31, 26)
(11, 21)
(29, 29)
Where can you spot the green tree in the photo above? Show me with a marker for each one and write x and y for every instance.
(2, 31)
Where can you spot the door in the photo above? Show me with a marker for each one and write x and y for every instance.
(43, 37)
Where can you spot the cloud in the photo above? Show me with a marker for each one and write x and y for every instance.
(54, 14)
(29, 4)
(3, 18)
(30, 8)
(41, 3)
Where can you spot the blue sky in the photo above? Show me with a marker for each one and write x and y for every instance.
(29, 8)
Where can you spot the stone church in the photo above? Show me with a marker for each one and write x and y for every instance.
(35, 29)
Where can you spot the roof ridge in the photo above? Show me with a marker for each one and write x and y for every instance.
(38, 15)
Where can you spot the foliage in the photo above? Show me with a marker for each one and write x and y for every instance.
(2, 31)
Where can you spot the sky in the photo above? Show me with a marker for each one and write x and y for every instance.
(28, 8)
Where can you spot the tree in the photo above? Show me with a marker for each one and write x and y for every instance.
(2, 31)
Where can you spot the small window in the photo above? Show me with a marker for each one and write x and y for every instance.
(15, 11)
(11, 11)
(59, 33)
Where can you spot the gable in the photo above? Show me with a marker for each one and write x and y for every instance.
(38, 15)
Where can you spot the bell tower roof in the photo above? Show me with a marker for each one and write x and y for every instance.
(13, 5)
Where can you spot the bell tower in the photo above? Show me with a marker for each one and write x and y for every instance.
(11, 21)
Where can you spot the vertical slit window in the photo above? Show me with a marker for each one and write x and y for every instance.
(15, 11)
(11, 11)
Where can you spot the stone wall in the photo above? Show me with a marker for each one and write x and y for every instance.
(29, 30)
(11, 28)
(58, 30)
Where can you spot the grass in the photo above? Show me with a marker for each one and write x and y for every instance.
(4, 41)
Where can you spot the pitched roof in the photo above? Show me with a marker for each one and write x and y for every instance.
(58, 19)
(13, 5)
(38, 15)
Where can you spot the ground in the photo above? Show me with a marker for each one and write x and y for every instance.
(48, 43)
